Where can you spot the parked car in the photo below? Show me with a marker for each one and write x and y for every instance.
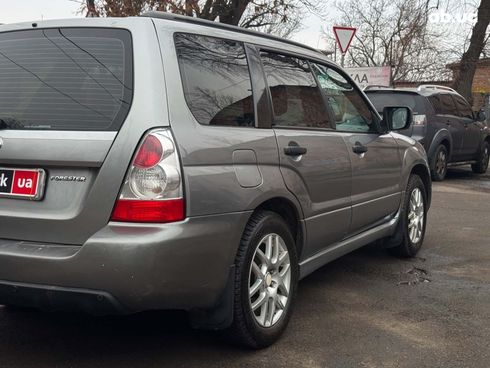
(444, 123)
(166, 162)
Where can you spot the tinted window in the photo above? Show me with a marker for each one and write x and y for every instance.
(351, 113)
(216, 80)
(443, 104)
(464, 109)
(65, 79)
(382, 99)
(296, 98)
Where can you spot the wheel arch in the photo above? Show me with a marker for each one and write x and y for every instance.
(423, 172)
(291, 215)
(441, 137)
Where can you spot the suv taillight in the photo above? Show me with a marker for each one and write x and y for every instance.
(152, 190)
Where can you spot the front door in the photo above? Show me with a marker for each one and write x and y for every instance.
(375, 160)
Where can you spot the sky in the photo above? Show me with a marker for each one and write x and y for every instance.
(31, 10)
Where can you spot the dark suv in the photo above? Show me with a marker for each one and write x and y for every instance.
(451, 133)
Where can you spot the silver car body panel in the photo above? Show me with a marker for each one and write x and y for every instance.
(343, 201)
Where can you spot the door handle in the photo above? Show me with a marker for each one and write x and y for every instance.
(294, 150)
(359, 148)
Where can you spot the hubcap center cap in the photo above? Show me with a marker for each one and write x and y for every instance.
(268, 279)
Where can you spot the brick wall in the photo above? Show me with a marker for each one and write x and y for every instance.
(481, 82)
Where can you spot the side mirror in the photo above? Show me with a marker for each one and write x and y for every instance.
(397, 117)
(481, 115)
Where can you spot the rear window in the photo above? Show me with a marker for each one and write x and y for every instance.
(216, 80)
(382, 99)
(65, 79)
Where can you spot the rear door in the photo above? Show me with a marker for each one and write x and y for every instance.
(375, 160)
(314, 160)
(64, 95)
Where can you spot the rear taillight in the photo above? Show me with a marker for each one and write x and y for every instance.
(419, 120)
(152, 190)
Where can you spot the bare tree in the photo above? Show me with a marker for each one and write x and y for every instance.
(282, 17)
(467, 66)
(394, 33)
(91, 11)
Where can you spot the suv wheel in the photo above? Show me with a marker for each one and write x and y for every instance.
(265, 283)
(439, 163)
(482, 164)
(413, 219)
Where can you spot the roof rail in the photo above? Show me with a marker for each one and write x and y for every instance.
(435, 86)
(228, 27)
(375, 86)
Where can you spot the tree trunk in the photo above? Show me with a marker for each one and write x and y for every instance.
(464, 75)
(232, 12)
(91, 10)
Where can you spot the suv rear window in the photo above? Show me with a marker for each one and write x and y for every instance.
(382, 99)
(65, 79)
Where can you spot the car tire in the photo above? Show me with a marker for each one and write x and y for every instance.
(482, 163)
(266, 249)
(413, 219)
(439, 163)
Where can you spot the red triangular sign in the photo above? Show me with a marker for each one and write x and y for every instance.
(344, 36)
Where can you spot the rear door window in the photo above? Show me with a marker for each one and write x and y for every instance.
(65, 79)
(296, 98)
(464, 109)
(443, 104)
(216, 80)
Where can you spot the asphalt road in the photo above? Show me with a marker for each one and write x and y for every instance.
(364, 310)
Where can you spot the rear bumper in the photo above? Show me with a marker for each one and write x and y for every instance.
(54, 298)
(126, 268)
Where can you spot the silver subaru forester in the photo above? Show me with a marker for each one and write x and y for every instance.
(166, 162)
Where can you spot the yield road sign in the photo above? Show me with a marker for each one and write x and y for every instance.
(344, 36)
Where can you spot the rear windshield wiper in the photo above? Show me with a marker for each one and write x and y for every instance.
(10, 123)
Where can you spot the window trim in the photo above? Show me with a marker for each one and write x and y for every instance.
(182, 79)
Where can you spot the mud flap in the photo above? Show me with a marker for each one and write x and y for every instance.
(220, 316)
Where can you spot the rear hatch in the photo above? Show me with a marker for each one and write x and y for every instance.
(64, 95)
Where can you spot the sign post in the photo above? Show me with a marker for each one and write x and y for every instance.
(343, 36)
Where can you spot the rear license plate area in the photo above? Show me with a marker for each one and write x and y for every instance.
(22, 183)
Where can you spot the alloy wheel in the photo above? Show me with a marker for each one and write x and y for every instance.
(485, 158)
(269, 280)
(441, 163)
(416, 216)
